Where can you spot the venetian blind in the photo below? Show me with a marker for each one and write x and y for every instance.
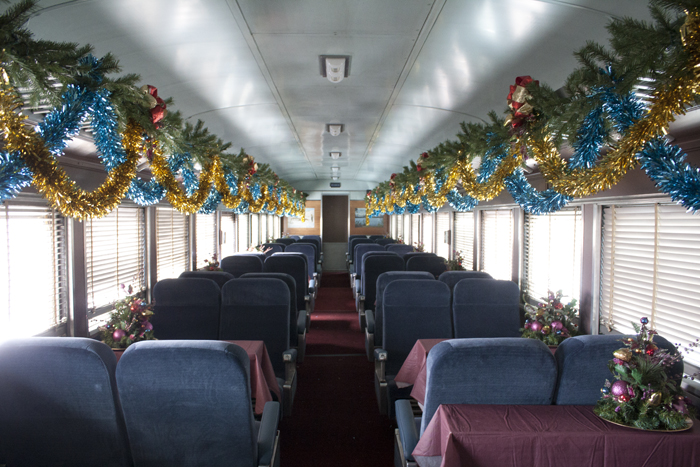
(254, 229)
(442, 240)
(33, 270)
(172, 242)
(228, 234)
(242, 231)
(407, 229)
(263, 228)
(415, 228)
(115, 254)
(399, 227)
(497, 243)
(205, 227)
(552, 251)
(650, 256)
(464, 237)
(427, 234)
(276, 227)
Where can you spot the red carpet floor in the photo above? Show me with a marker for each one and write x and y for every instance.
(336, 421)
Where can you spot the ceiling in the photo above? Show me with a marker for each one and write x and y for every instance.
(250, 68)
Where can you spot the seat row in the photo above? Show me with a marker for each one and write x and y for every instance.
(511, 371)
(252, 307)
(66, 401)
(354, 240)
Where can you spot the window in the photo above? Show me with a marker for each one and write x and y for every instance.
(427, 237)
(650, 256)
(254, 229)
(206, 238)
(33, 259)
(242, 233)
(263, 228)
(276, 227)
(552, 252)
(464, 237)
(415, 228)
(442, 240)
(394, 226)
(172, 242)
(399, 227)
(407, 229)
(115, 254)
(228, 234)
(497, 244)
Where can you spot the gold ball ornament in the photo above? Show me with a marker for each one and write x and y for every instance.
(623, 354)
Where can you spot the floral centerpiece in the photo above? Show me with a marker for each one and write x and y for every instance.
(455, 264)
(551, 321)
(399, 240)
(419, 247)
(259, 249)
(212, 264)
(644, 395)
(128, 323)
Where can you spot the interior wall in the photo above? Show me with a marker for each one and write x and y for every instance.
(315, 230)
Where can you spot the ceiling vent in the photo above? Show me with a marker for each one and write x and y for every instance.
(335, 155)
(334, 129)
(335, 67)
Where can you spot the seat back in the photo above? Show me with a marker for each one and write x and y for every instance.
(411, 254)
(59, 403)
(486, 308)
(239, 264)
(309, 250)
(354, 242)
(373, 265)
(316, 240)
(295, 266)
(413, 309)
(509, 370)
(400, 248)
(382, 281)
(292, 286)
(192, 406)
(257, 309)
(296, 238)
(582, 362)
(274, 248)
(375, 237)
(452, 277)
(360, 250)
(186, 308)
(435, 265)
(384, 241)
(351, 237)
(285, 240)
(220, 277)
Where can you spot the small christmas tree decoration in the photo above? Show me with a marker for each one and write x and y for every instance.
(455, 264)
(212, 264)
(644, 395)
(551, 322)
(128, 323)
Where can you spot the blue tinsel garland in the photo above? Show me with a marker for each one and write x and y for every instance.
(14, 175)
(461, 203)
(532, 201)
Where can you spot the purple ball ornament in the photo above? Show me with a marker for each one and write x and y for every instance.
(558, 325)
(118, 334)
(148, 326)
(619, 388)
(536, 326)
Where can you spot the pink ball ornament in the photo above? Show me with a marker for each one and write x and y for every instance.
(148, 326)
(558, 325)
(619, 388)
(536, 326)
(118, 334)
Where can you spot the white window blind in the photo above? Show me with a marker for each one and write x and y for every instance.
(464, 237)
(415, 228)
(33, 274)
(255, 229)
(263, 228)
(172, 241)
(115, 254)
(497, 243)
(399, 227)
(552, 252)
(407, 229)
(442, 248)
(205, 227)
(650, 257)
(276, 227)
(242, 231)
(393, 226)
(427, 235)
(228, 234)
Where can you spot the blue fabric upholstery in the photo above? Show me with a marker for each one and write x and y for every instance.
(400, 248)
(435, 265)
(582, 362)
(186, 308)
(360, 250)
(274, 248)
(188, 403)
(59, 404)
(285, 240)
(309, 250)
(374, 264)
(488, 371)
(350, 239)
(257, 309)
(239, 264)
(486, 308)
(384, 241)
(295, 266)
(296, 238)
(412, 254)
(315, 242)
(375, 237)
(383, 280)
(452, 277)
(220, 277)
(354, 242)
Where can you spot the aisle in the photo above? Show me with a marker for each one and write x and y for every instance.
(336, 420)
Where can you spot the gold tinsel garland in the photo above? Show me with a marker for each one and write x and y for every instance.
(495, 184)
(50, 179)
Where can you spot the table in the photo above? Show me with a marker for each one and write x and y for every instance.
(262, 374)
(546, 435)
(413, 371)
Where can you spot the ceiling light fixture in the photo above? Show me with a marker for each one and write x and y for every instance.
(335, 67)
(335, 168)
(335, 177)
(335, 155)
(334, 128)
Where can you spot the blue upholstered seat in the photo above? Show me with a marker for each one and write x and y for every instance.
(479, 371)
(384, 241)
(188, 403)
(452, 277)
(400, 248)
(59, 404)
(582, 362)
(295, 266)
(241, 263)
(309, 250)
(258, 309)
(296, 238)
(316, 242)
(220, 277)
(285, 240)
(375, 237)
(310, 276)
(356, 266)
(186, 308)
(374, 264)
(361, 256)
(486, 308)
(412, 254)
(375, 316)
(435, 265)
(413, 309)
(352, 243)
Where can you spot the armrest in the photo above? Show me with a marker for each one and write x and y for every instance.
(361, 310)
(301, 336)
(369, 317)
(380, 358)
(267, 435)
(301, 322)
(408, 433)
(380, 384)
(369, 335)
(309, 308)
(290, 376)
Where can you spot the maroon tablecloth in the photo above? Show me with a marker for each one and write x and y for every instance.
(413, 371)
(546, 436)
